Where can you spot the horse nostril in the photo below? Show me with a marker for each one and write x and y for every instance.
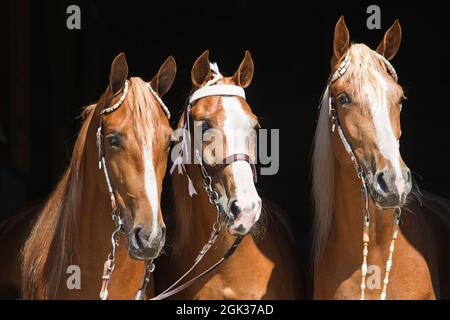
(381, 182)
(142, 237)
(408, 176)
(137, 237)
(234, 208)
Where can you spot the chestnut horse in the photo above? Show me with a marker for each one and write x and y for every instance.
(129, 133)
(264, 265)
(364, 247)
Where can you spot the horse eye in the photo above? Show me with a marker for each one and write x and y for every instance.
(113, 141)
(344, 99)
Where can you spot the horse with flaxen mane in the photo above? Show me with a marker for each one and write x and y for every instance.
(219, 183)
(127, 134)
(373, 238)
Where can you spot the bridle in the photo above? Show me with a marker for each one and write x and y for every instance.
(207, 172)
(224, 90)
(110, 262)
(335, 124)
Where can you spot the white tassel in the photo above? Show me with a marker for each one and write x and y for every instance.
(178, 163)
(215, 68)
(191, 187)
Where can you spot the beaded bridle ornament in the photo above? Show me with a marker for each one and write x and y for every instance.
(343, 67)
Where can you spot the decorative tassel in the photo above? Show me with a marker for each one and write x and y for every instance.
(191, 187)
(178, 163)
(214, 67)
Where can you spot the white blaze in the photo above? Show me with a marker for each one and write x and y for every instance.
(236, 125)
(151, 187)
(387, 142)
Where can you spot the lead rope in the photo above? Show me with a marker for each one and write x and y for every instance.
(360, 174)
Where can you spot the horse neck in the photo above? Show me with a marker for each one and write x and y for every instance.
(96, 227)
(196, 216)
(95, 218)
(96, 224)
(347, 226)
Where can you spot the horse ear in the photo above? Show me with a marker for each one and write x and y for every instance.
(390, 44)
(118, 73)
(244, 75)
(201, 70)
(163, 80)
(341, 41)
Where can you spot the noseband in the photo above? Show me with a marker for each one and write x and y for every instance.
(335, 123)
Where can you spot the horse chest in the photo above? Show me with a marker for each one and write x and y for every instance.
(219, 288)
(409, 280)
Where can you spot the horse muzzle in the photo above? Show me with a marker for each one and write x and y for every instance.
(143, 245)
(388, 189)
(244, 213)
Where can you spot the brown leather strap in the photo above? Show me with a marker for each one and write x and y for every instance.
(187, 284)
(149, 268)
(201, 254)
(214, 169)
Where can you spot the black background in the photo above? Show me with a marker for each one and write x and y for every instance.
(291, 46)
